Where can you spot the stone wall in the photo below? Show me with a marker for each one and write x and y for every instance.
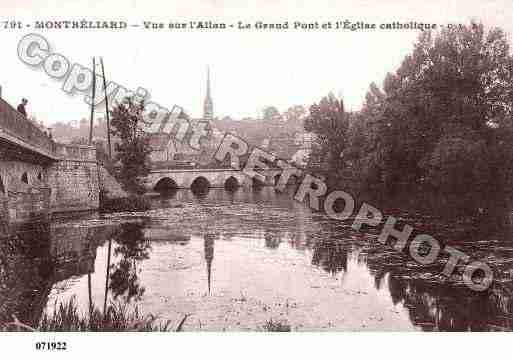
(24, 195)
(75, 186)
(29, 190)
(39, 176)
(109, 186)
(216, 178)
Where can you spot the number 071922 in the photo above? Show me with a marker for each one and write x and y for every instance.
(51, 346)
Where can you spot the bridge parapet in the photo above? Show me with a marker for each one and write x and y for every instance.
(216, 177)
(16, 125)
(39, 176)
(75, 152)
(26, 134)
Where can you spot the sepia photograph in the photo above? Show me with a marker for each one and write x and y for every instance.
(272, 166)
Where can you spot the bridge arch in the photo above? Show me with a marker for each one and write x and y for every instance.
(24, 177)
(200, 183)
(165, 184)
(277, 179)
(231, 183)
(257, 183)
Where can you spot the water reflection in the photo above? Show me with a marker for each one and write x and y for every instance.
(36, 257)
(200, 187)
(27, 270)
(266, 247)
(440, 306)
(209, 241)
(330, 255)
(131, 249)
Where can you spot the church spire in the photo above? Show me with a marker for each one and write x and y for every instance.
(208, 81)
(208, 106)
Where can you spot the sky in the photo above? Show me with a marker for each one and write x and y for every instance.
(249, 69)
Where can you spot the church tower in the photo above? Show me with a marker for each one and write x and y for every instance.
(208, 106)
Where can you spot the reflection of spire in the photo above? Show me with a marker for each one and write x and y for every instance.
(208, 106)
(209, 255)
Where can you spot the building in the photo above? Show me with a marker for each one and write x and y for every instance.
(166, 151)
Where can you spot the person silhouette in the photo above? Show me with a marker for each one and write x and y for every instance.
(21, 107)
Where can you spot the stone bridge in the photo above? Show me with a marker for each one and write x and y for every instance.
(39, 176)
(164, 179)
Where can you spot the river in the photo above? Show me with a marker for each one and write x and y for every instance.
(235, 260)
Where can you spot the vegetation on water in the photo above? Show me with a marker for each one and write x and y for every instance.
(118, 317)
(276, 326)
(131, 203)
(442, 123)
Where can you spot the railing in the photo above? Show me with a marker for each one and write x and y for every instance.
(18, 126)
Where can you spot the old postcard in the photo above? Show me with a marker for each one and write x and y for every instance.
(271, 166)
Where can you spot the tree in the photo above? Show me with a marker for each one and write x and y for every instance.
(365, 148)
(440, 114)
(133, 149)
(271, 113)
(329, 122)
(455, 154)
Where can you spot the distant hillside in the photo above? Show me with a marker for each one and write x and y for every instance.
(279, 133)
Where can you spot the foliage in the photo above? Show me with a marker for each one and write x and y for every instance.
(442, 120)
(271, 113)
(457, 164)
(133, 150)
(102, 155)
(329, 122)
(132, 203)
(119, 317)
